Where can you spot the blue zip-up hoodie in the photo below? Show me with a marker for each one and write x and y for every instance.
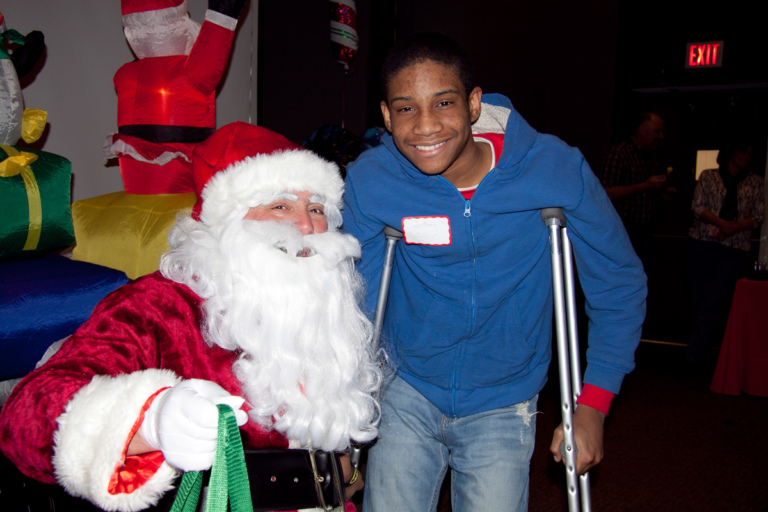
(469, 324)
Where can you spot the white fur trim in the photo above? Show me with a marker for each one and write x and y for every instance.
(256, 180)
(221, 20)
(93, 431)
(121, 148)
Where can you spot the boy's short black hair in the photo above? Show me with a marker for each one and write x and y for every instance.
(424, 46)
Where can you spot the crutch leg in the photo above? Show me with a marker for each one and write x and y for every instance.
(392, 236)
(573, 346)
(567, 352)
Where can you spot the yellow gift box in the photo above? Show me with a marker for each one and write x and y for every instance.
(127, 232)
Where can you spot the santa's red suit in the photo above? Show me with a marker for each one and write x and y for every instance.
(91, 394)
(71, 420)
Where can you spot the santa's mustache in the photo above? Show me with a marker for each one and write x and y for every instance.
(334, 247)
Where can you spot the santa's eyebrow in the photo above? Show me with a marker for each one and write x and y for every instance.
(317, 199)
(285, 196)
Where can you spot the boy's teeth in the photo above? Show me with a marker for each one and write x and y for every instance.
(428, 148)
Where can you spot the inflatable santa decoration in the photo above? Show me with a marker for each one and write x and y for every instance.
(166, 98)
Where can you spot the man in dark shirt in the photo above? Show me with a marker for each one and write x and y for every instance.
(632, 178)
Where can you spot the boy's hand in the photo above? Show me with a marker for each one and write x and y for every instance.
(588, 434)
(357, 482)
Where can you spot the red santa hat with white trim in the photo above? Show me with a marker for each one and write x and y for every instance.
(242, 165)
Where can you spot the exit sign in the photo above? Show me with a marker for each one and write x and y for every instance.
(704, 55)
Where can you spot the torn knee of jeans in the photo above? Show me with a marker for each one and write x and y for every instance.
(524, 411)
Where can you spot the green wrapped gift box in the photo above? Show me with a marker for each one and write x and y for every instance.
(35, 203)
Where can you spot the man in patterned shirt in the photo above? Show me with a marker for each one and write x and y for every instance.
(632, 178)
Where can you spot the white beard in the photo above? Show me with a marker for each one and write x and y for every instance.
(307, 366)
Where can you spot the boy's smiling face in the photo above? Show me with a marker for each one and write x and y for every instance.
(430, 118)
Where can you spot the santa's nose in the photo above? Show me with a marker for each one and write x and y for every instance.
(303, 222)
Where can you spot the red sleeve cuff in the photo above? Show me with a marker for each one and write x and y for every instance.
(136, 470)
(595, 397)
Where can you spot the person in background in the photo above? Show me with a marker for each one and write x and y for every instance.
(633, 180)
(728, 203)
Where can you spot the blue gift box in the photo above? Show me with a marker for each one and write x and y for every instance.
(44, 300)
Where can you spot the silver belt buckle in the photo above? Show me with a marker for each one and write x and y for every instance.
(320, 479)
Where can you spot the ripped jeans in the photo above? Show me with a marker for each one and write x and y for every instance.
(489, 454)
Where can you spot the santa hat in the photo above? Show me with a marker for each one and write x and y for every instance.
(147, 12)
(242, 165)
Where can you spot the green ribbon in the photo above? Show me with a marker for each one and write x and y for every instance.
(229, 476)
(12, 36)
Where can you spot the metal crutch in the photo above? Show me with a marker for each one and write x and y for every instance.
(567, 352)
(392, 236)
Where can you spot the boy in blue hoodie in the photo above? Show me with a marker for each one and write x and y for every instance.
(469, 321)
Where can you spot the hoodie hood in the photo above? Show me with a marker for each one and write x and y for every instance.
(499, 116)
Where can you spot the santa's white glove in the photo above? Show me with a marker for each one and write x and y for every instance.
(182, 422)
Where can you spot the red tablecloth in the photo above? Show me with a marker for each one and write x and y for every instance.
(743, 362)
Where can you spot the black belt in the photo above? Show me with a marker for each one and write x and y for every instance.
(294, 479)
(159, 133)
(286, 480)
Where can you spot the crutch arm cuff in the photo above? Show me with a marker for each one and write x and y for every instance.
(595, 397)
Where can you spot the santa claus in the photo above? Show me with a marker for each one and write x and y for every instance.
(254, 306)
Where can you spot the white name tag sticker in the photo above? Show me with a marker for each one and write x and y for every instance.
(427, 230)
